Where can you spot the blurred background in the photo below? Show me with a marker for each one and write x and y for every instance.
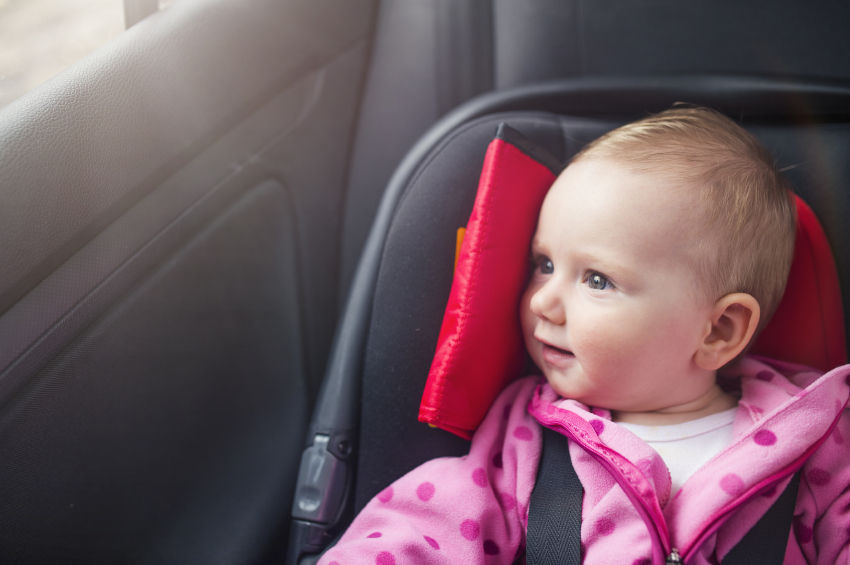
(40, 38)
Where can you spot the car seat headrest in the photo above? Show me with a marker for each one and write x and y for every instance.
(480, 348)
(808, 325)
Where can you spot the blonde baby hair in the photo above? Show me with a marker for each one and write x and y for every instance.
(746, 241)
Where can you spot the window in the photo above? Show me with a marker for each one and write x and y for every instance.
(40, 38)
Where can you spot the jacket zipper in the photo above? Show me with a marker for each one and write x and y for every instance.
(719, 519)
(662, 552)
(577, 428)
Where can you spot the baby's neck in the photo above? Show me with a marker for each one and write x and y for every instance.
(712, 402)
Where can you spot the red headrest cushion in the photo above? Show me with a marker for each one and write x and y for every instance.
(480, 348)
(808, 326)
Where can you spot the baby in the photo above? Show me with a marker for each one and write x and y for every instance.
(660, 253)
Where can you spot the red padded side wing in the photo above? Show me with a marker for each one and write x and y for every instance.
(808, 326)
(480, 348)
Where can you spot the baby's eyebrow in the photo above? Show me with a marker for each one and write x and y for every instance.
(535, 244)
(607, 266)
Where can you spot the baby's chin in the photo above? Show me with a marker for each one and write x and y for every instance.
(566, 387)
(571, 388)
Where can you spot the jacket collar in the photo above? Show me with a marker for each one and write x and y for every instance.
(785, 410)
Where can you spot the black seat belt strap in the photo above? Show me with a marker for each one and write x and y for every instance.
(765, 543)
(554, 515)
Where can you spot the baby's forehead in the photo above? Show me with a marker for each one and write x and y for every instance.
(612, 205)
(610, 187)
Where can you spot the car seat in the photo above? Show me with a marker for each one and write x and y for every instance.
(364, 432)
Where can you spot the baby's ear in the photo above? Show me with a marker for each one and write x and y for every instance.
(730, 327)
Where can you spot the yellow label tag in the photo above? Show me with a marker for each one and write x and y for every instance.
(461, 233)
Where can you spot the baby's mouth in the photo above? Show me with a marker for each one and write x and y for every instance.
(557, 350)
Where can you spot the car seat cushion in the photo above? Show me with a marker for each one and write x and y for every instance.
(480, 346)
(808, 325)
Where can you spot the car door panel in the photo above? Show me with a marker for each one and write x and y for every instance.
(169, 209)
(163, 432)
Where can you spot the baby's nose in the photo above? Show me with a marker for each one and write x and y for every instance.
(548, 304)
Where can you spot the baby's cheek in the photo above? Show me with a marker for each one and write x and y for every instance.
(606, 342)
(528, 321)
(527, 318)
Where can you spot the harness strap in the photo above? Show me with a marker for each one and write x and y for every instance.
(765, 543)
(554, 515)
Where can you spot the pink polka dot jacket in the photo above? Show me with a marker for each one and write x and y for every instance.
(474, 509)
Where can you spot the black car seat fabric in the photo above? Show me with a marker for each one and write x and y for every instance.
(386, 340)
(505, 44)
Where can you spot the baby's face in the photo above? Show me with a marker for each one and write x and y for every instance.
(612, 314)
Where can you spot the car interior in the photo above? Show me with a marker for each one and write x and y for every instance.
(228, 238)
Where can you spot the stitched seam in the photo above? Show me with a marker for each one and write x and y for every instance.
(474, 280)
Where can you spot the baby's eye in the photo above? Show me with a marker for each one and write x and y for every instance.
(598, 281)
(544, 265)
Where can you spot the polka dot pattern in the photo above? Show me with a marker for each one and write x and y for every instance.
(803, 532)
(474, 531)
(604, 527)
(818, 477)
(386, 495)
(732, 484)
(425, 491)
(479, 477)
(766, 376)
(598, 426)
(764, 437)
(497, 460)
(490, 547)
(470, 530)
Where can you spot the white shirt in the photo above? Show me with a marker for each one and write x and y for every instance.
(687, 447)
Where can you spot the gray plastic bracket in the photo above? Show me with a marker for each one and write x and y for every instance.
(321, 483)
